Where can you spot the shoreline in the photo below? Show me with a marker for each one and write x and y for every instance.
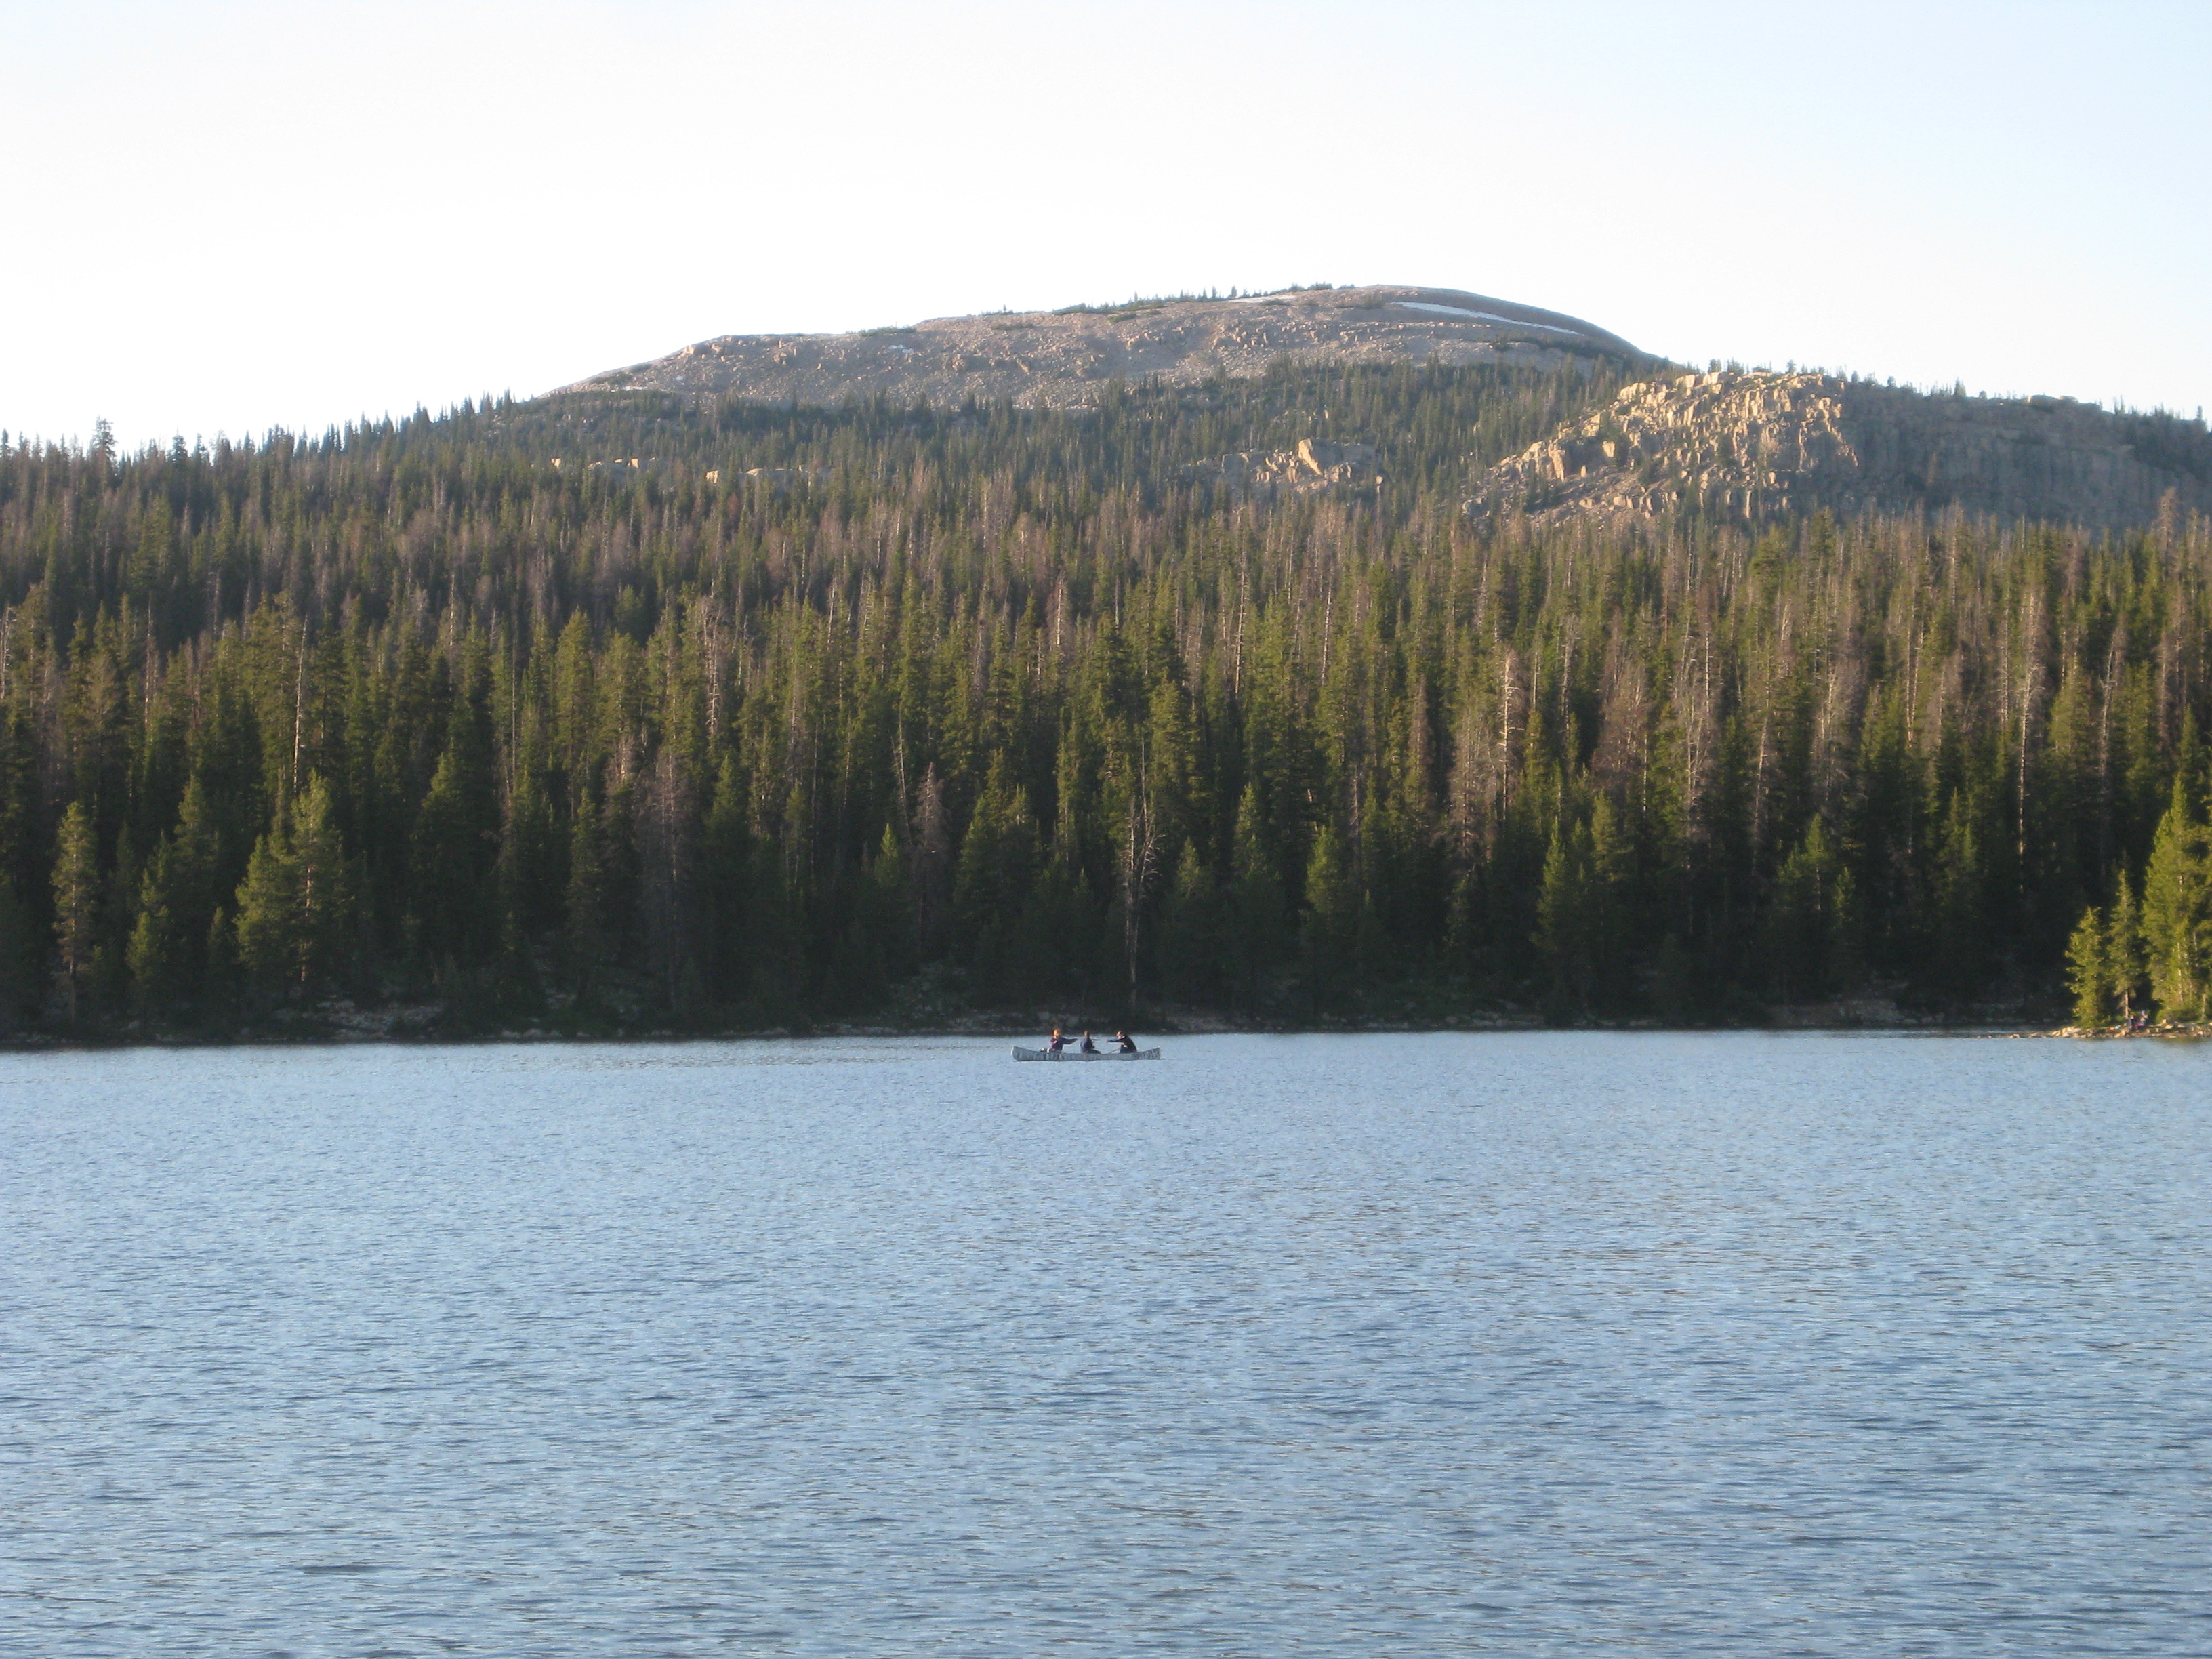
(2172, 1029)
(340, 1022)
(307, 1036)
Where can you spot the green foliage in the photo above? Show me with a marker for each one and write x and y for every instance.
(999, 704)
(1332, 922)
(1810, 920)
(1257, 923)
(1191, 952)
(76, 903)
(2126, 961)
(2177, 910)
(296, 907)
(168, 952)
(991, 890)
(1582, 913)
(2089, 966)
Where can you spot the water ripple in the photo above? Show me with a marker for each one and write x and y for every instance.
(1534, 1346)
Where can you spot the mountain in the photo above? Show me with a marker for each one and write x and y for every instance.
(1731, 444)
(1060, 359)
(653, 710)
(1755, 445)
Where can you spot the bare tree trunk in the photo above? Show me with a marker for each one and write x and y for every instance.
(1139, 864)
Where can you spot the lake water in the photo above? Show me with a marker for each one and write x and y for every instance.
(1524, 1345)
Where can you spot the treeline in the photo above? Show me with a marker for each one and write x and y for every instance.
(2147, 952)
(980, 705)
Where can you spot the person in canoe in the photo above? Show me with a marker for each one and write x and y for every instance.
(1054, 1043)
(1124, 1044)
(1089, 1047)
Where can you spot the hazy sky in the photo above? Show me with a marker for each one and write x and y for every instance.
(230, 216)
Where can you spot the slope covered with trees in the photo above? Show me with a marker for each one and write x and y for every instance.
(472, 713)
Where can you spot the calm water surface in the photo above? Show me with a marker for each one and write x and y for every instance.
(1522, 1344)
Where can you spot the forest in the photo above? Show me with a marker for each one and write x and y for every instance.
(618, 713)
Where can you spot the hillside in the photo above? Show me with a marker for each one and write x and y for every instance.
(644, 710)
(1061, 359)
(1729, 444)
(1759, 445)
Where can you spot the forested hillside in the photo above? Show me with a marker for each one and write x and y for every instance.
(981, 707)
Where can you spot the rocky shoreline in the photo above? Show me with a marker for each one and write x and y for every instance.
(2164, 1027)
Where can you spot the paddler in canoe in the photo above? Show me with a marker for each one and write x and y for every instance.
(1062, 1046)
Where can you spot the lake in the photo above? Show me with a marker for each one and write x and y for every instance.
(1520, 1344)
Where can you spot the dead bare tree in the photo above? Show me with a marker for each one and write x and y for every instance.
(1138, 865)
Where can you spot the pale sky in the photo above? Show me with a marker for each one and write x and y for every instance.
(231, 216)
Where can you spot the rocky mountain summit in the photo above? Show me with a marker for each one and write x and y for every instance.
(1751, 443)
(1060, 359)
(1739, 443)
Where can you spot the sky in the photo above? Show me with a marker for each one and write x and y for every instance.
(229, 217)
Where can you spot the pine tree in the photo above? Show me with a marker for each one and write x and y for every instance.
(1567, 917)
(883, 908)
(534, 874)
(2126, 963)
(1189, 934)
(2177, 910)
(1808, 918)
(455, 851)
(2090, 976)
(649, 734)
(325, 897)
(723, 874)
(1257, 913)
(1002, 927)
(296, 906)
(269, 946)
(77, 901)
(585, 902)
(167, 949)
(1332, 919)
(1611, 859)
(1960, 920)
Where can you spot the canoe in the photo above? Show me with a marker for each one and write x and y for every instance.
(1074, 1053)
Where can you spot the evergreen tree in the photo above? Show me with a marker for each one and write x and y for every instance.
(2125, 961)
(2177, 910)
(77, 901)
(1190, 932)
(168, 952)
(1569, 921)
(533, 866)
(456, 849)
(1014, 700)
(2090, 970)
(883, 925)
(296, 905)
(1961, 921)
(995, 873)
(585, 902)
(1332, 919)
(1258, 916)
(1809, 919)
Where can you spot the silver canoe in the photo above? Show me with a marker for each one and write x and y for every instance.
(1077, 1054)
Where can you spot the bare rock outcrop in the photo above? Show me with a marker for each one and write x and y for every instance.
(1746, 444)
(1316, 463)
(1061, 359)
